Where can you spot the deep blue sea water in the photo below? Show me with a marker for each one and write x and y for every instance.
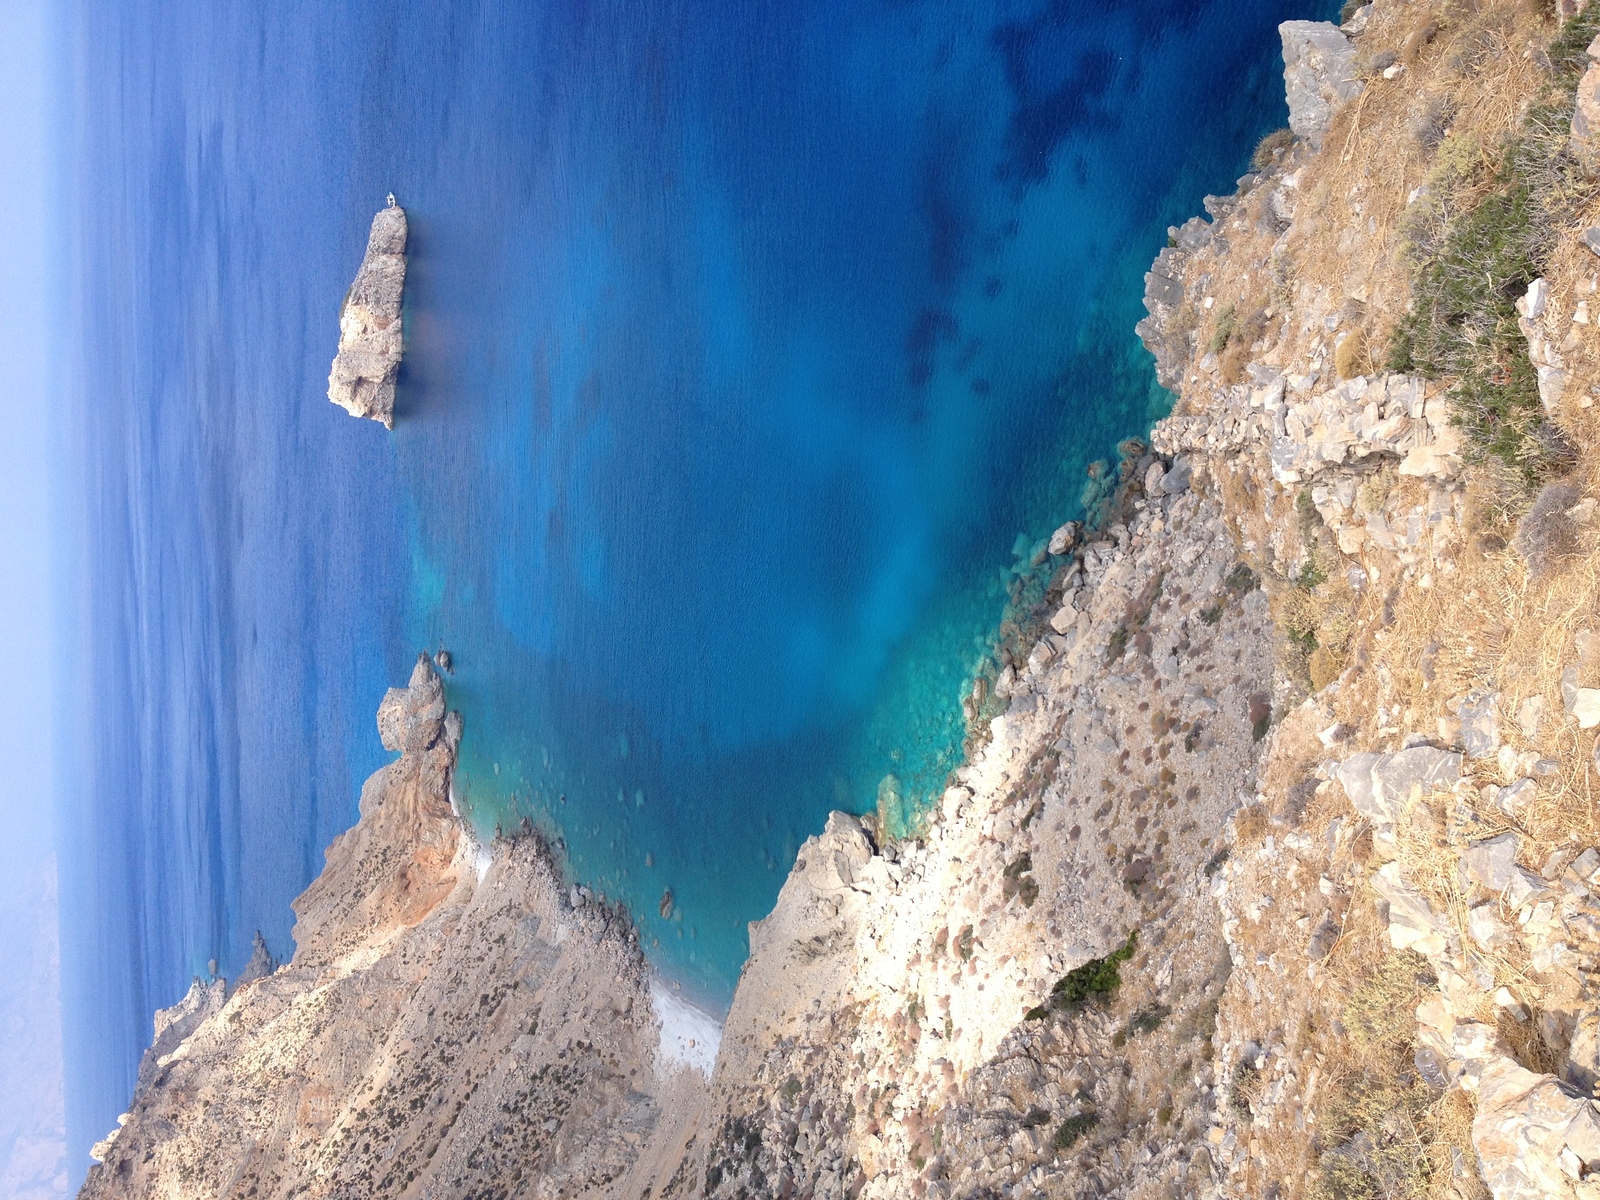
(747, 345)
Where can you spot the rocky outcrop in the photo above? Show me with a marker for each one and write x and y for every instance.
(371, 341)
(450, 1025)
(1319, 71)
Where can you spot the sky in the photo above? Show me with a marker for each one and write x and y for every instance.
(32, 1138)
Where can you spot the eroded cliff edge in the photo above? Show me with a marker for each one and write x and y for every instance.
(449, 1025)
(1274, 878)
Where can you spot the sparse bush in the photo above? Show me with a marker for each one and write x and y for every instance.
(1242, 580)
(1433, 123)
(1312, 573)
(1147, 1020)
(1074, 1128)
(1222, 329)
(1546, 534)
(1379, 62)
(1269, 147)
(1094, 980)
(1350, 357)
(1377, 1116)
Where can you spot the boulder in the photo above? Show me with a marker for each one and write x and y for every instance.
(1355, 776)
(1065, 538)
(362, 379)
(1381, 785)
(1524, 1124)
(1319, 75)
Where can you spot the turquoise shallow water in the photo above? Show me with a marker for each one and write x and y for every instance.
(745, 344)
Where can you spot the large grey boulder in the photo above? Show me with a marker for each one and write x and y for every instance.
(370, 342)
(1319, 75)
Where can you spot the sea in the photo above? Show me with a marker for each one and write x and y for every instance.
(753, 347)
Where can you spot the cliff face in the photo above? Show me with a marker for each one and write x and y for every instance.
(1276, 875)
(370, 333)
(450, 1024)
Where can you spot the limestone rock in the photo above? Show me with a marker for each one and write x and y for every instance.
(448, 1023)
(1549, 367)
(1524, 1123)
(1586, 707)
(1413, 925)
(1319, 73)
(1480, 724)
(411, 718)
(1491, 862)
(1486, 928)
(371, 344)
(1586, 120)
(1065, 538)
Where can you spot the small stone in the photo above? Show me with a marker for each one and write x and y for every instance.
(1489, 863)
(1591, 238)
(1586, 707)
(1485, 927)
(1480, 723)
(1515, 799)
(1503, 999)
(1586, 864)
(1523, 888)
(1413, 924)
(1529, 713)
(1533, 302)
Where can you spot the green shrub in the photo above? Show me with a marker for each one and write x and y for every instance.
(1472, 265)
(1222, 329)
(1095, 979)
(1074, 1128)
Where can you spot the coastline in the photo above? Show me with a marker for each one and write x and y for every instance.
(1271, 869)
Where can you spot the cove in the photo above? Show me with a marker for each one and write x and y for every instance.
(750, 346)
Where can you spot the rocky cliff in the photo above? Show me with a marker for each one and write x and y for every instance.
(1272, 870)
(370, 333)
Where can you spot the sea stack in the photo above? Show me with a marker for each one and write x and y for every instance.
(370, 343)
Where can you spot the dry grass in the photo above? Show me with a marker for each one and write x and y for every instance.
(1379, 148)
(1472, 71)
